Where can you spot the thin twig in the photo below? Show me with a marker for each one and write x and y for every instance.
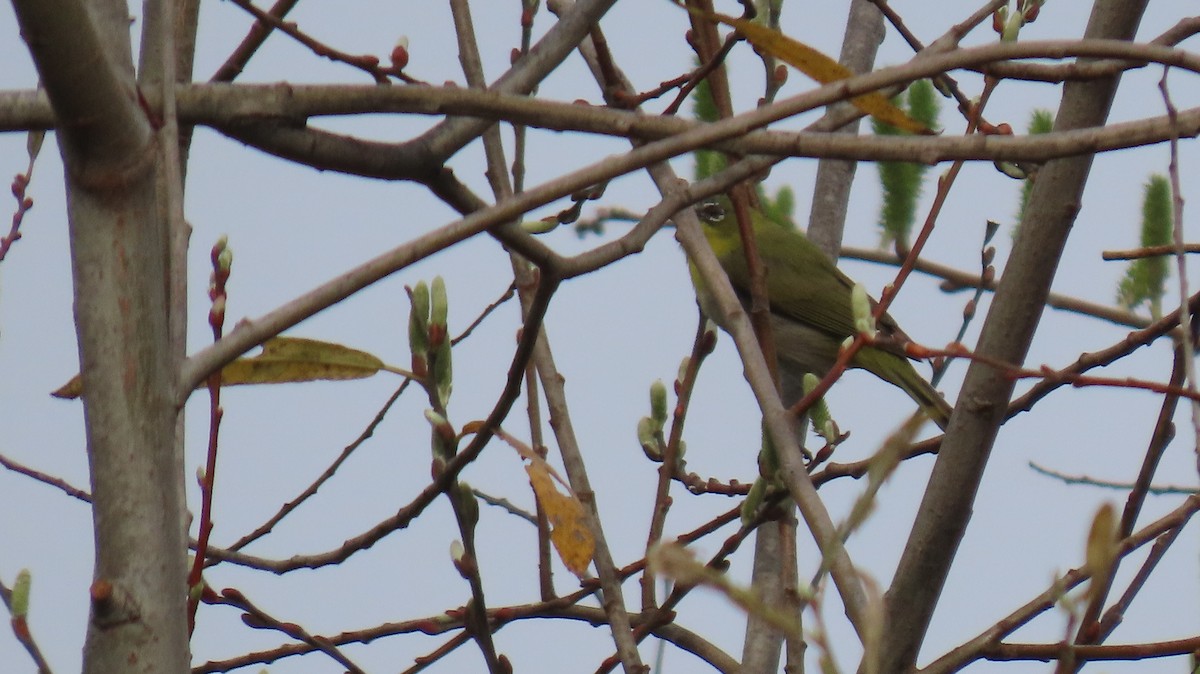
(1160, 437)
(1185, 313)
(20, 185)
(1149, 251)
(670, 462)
(364, 62)
(45, 478)
(1116, 613)
(484, 432)
(290, 506)
(956, 280)
(1084, 480)
(260, 619)
(220, 257)
(977, 647)
(255, 38)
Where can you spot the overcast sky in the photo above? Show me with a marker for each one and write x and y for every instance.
(613, 333)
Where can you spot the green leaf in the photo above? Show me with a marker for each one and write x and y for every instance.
(418, 320)
(1145, 278)
(923, 104)
(780, 207)
(704, 108)
(1041, 121)
(901, 181)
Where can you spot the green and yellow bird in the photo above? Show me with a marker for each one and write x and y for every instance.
(810, 306)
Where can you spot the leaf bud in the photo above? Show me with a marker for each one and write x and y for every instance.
(647, 433)
(439, 304)
(860, 302)
(443, 438)
(400, 54)
(457, 551)
(754, 500)
(468, 505)
(658, 401)
(418, 319)
(20, 594)
(822, 420)
(681, 374)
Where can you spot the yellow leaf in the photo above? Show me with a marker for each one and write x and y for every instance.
(283, 360)
(293, 359)
(568, 523)
(1103, 544)
(818, 66)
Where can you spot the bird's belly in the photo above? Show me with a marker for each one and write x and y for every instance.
(801, 349)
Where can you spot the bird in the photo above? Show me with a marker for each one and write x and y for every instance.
(809, 299)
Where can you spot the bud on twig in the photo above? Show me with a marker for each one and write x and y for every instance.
(468, 505)
(20, 594)
(400, 54)
(658, 401)
(860, 303)
(418, 320)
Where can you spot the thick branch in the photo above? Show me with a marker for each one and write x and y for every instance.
(831, 191)
(248, 111)
(118, 249)
(1007, 333)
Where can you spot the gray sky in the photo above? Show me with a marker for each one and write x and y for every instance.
(613, 333)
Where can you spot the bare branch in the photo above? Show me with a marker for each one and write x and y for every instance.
(1007, 333)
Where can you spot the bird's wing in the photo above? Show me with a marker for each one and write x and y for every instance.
(822, 301)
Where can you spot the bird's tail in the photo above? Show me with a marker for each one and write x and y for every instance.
(931, 402)
(900, 372)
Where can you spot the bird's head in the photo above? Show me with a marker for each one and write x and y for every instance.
(719, 223)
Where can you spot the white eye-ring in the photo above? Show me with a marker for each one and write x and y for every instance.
(710, 211)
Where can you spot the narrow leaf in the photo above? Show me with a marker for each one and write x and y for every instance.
(284, 360)
(293, 359)
(818, 66)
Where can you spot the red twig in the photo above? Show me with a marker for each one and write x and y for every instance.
(365, 62)
(19, 185)
(221, 262)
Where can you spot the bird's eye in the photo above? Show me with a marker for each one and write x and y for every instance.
(710, 211)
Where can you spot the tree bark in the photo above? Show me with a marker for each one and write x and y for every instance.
(1007, 333)
(118, 251)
